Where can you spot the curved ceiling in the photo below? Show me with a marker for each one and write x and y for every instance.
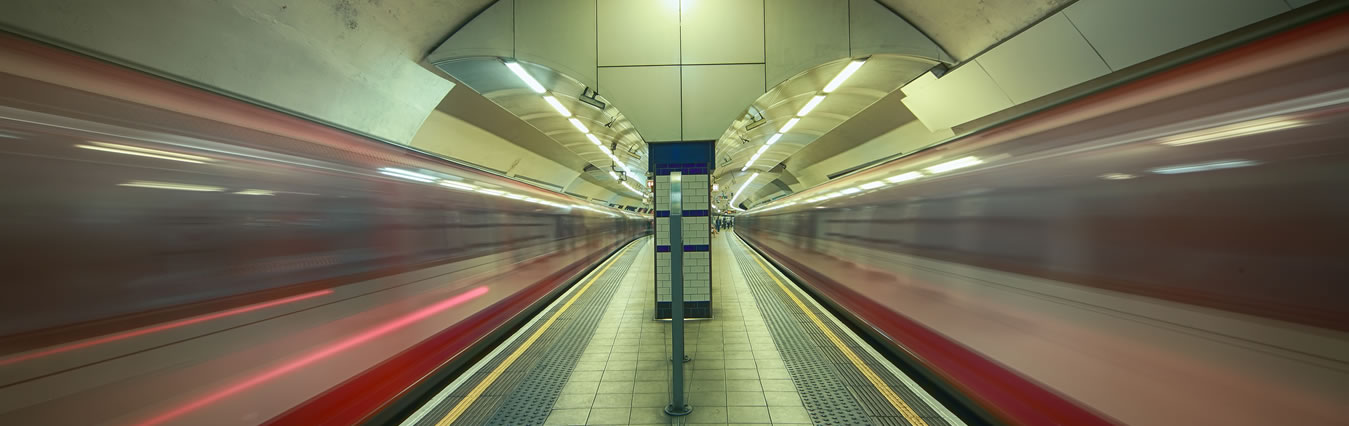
(966, 27)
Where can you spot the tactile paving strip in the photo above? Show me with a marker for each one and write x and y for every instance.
(526, 391)
(826, 398)
(823, 375)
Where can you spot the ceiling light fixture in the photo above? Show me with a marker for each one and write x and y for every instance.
(774, 139)
(843, 75)
(594, 139)
(742, 187)
(810, 106)
(557, 105)
(579, 125)
(613, 174)
(524, 76)
(872, 185)
(790, 124)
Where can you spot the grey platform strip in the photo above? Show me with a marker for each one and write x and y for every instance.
(831, 387)
(525, 392)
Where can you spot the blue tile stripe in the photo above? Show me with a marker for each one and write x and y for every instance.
(685, 168)
(687, 248)
(687, 213)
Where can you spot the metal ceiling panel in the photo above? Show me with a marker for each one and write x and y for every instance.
(648, 96)
(1048, 57)
(714, 95)
(638, 32)
(722, 31)
(1129, 32)
(801, 34)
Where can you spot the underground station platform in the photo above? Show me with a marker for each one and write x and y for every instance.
(770, 354)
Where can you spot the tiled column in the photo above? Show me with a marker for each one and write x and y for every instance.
(686, 158)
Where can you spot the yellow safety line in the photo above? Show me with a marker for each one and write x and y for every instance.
(876, 381)
(496, 372)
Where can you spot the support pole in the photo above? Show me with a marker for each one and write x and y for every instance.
(678, 405)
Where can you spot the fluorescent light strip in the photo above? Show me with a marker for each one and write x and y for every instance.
(490, 191)
(608, 152)
(557, 105)
(742, 187)
(594, 139)
(774, 139)
(163, 156)
(872, 185)
(790, 124)
(1202, 167)
(524, 76)
(761, 150)
(850, 190)
(810, 106)
(255, 192)
(579, 125)
(843, 75)
(171, 185)
(954, 164)
(613, 175)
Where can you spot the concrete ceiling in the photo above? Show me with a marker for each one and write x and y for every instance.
(966, 27)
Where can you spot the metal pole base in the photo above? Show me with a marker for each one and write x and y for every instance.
(683, 411)
(686, 358)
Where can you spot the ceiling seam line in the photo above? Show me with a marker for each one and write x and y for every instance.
(1084, 38)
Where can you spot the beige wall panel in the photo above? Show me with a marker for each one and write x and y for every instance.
(638, 32)
(559, 34)
(1048, 57)
(1127, 32)
(715, 95)
(962, 95)
(801, 34)
(648, 97)
(722, 31)
(491, 33)
(875, 29)
(449, 136)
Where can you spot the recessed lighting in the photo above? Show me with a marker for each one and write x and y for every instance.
(579, 125)
(524, 76)
(843, 75)
(810, 106)
(557, 105)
